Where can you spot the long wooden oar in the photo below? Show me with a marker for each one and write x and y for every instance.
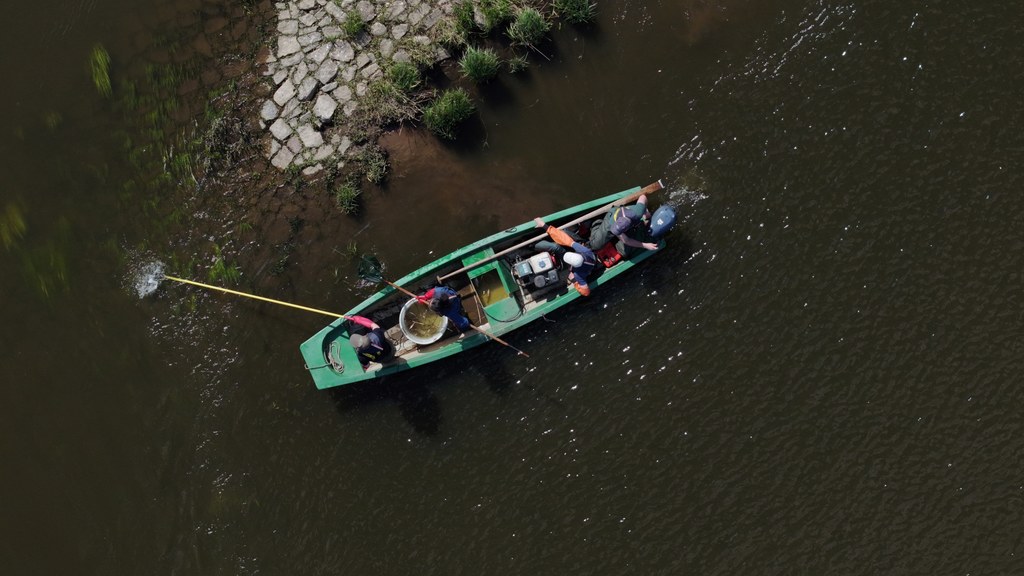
(255, 297)
(370, 270)
(649, 189)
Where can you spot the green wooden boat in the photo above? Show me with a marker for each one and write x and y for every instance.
(496, 297)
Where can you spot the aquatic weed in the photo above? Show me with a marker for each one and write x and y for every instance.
(375, 162)
(346, 196)
(221, 271)
(99, 63)
(517, 63)
(12, 225)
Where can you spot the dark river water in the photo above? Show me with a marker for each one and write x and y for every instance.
(819, 375)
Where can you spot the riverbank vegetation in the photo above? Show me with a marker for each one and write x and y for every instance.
(196, 168)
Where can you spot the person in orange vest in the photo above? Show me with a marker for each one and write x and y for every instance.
(580, 258)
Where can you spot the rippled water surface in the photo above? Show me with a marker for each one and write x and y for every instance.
(819, 375)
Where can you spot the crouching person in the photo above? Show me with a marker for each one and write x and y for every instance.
(446, 302)
(372, 346)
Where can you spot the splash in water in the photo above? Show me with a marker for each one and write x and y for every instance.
(147, 278)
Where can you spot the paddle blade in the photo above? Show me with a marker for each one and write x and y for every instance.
(370, 269)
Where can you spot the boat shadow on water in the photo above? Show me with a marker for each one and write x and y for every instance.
(414, 398)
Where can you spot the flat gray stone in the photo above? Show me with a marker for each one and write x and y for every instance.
(274, 147)
(281, 130)
(310, 137)
(401, 56)
(335, 11)
(397, 9)
(289, 61)
(299, 73)
(331, 32)
(323, 153)
(344, 145)
(294, 144)
(311, 170)
(418, 13)
(399, 31)
(378, 29)
(433, 18)
(327, 72)
(306, 4)
(283, 158)
(342, 93)
(307, 89)
(343, 52)
(269, 111)
(387, 47)
(350, 107)
(318, 55)
(287, 45)
(307, 19)
(324, 107)
(279, 77)
(362, 60)
(284, 93)
(371, 71)
(361, 89)
(329, 87)
(287, 27)
(366, 10)
(310, 39)
(348, 73)
(291, 109)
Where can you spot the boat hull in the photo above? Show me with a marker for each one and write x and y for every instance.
(495, 299)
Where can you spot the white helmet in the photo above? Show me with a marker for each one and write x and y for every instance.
(573, 259)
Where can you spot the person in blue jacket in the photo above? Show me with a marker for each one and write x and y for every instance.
(446, 302)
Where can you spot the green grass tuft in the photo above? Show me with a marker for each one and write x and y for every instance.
(353, 25)
(575, 11)
(405, 76)
(464, 20)
(496, 13)
(447, 111)
(479, 64)
(529, 27)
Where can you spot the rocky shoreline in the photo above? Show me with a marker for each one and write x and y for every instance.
(320, 72)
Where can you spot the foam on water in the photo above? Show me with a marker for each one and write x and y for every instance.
(147, 278)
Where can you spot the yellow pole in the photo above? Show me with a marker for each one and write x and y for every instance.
(255, 297)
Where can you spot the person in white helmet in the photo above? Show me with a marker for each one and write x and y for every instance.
(578, 256)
